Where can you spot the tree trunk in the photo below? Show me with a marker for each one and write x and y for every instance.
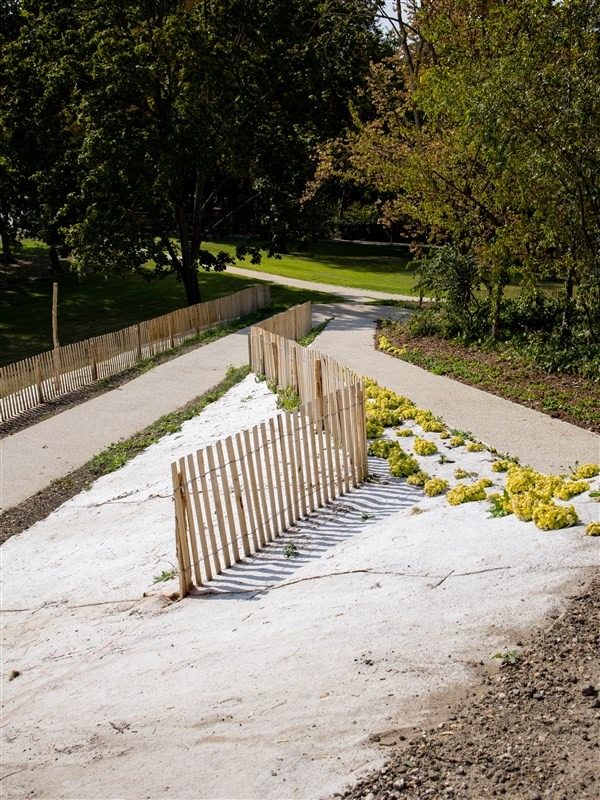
(6, 253)
(565, 323)
(54, 260)
(496, 304)
(189, 278)
(186, 267)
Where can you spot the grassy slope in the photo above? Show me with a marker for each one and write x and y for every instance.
(94, 305)
(342, 264)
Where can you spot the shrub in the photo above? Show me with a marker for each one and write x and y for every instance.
(462, 493)
(423, 447)
(435, 486)
(383, 447)
(374, 429)
(475, 447)
(570, 489)
(593, 529)
(550, 517)
(401, 464)
(418, 478)
(586, 471)
(502, 465)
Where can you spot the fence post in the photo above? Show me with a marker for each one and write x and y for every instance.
(275, 350)
(171, 337)
(319, 389)
(92, 358)
(56, 365)
(183, 556)
(139, 341)
(38, 381)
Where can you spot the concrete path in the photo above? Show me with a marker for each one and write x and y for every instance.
(347, 292)
(34, 457)
(536, 439)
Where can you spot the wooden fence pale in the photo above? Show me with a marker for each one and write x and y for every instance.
(234, 497)
(29, 383)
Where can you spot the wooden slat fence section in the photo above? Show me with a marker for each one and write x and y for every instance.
(310, 373)
(235, 496)
(28, 383)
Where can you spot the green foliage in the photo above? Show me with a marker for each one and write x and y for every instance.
(140, 127)
(288, 398)
(490, 140)
(290, 550)
(500, 505)
(310, 337)
(165, 575)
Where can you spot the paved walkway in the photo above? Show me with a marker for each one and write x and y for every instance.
(347, 292)
(536, 439)
(32, 458)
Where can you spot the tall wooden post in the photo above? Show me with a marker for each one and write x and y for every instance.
(55, 342)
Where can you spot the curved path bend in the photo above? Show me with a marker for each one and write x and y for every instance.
(545, 443)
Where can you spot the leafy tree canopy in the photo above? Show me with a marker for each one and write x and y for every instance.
(155, 106)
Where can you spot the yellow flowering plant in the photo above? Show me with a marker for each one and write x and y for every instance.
(435, 486)
(423, 447)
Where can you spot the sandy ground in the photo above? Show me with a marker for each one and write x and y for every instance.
(275, 684)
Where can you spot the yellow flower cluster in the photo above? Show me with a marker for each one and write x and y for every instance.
(456, 441)
(593, 529)
(384, 406)
(475, 447)
(550, 517)
(386, 409)
(435, 486)
(502, 465)
(418, 478)
(404, 432)
(430, 425)
(374, 428)
(586, 471)
(401, 464)
(423, 447)
(460, 474)
(463, 493)
(532, 496)
(571, 489)
(384, 344)
(382, 447)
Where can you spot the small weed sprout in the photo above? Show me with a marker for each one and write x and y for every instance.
(290, 550)
(508, 658)
(165, 575)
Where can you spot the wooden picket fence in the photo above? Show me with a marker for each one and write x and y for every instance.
(308, 372)
(26, 384)
(234, 497)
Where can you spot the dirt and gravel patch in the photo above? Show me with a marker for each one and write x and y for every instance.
(570, 398)
(530, 732)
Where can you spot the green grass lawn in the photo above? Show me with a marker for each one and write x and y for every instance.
(360, 266)
(93, 305)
